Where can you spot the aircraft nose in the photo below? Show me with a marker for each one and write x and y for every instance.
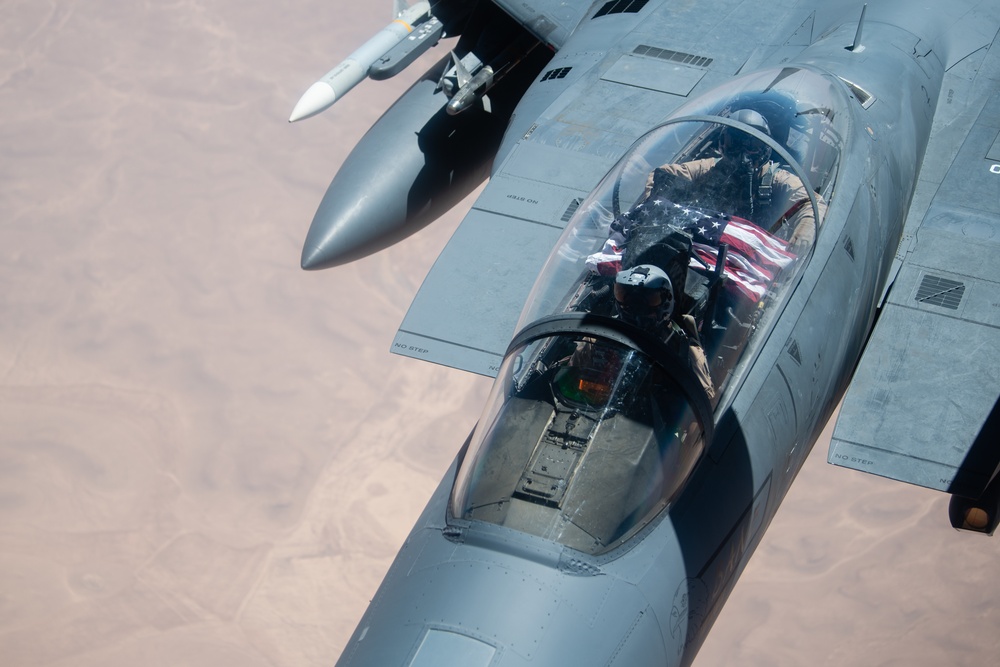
(348, 226)
(437, 615)
(332, 237)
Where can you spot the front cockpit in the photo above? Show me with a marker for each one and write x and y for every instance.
(590, 431)
(650, 310)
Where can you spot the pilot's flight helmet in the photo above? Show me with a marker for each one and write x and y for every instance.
(739, 146)
(644, 296)
(778, 108)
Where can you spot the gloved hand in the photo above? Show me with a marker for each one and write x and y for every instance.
(802, 237)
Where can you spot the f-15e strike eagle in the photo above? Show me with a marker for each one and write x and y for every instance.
(717, 220)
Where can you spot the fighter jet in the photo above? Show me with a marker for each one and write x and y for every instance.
(706, 225)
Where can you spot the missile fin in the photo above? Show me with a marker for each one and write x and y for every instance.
(461, 71)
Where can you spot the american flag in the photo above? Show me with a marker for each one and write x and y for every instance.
(752, 262)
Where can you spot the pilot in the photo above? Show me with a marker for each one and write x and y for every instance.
(744, 182)
(644, 297)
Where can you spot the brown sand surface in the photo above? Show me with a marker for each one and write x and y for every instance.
(209, 457)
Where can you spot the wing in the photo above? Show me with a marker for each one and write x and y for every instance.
(922, 407)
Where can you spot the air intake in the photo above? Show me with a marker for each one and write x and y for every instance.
(621, 7)
(673, 56)
(938, 291)
(558, 73)
(571, 209)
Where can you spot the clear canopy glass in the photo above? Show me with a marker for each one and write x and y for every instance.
(589, 435)
(678, 178)
(585, 440)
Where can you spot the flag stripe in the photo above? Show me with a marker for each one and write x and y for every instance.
(753, 260)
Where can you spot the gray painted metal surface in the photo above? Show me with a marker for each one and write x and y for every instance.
(491, 262)
(588, 520)
(931, 373)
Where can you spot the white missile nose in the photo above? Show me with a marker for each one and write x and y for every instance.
(319, 97)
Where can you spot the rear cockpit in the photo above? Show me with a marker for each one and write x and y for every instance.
(727, 199)
(645, 318)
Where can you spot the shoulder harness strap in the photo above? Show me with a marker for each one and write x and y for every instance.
(764, 189)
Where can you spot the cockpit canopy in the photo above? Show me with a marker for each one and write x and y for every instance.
(596, 420)
(710, 175)
(585, 440)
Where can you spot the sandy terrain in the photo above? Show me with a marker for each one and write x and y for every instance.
(209, 457)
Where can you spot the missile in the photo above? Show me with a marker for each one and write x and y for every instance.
(423, 37)
(473, 87)
(471, 91)
(341, 79)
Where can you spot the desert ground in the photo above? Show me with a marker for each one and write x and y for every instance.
(209, 457)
